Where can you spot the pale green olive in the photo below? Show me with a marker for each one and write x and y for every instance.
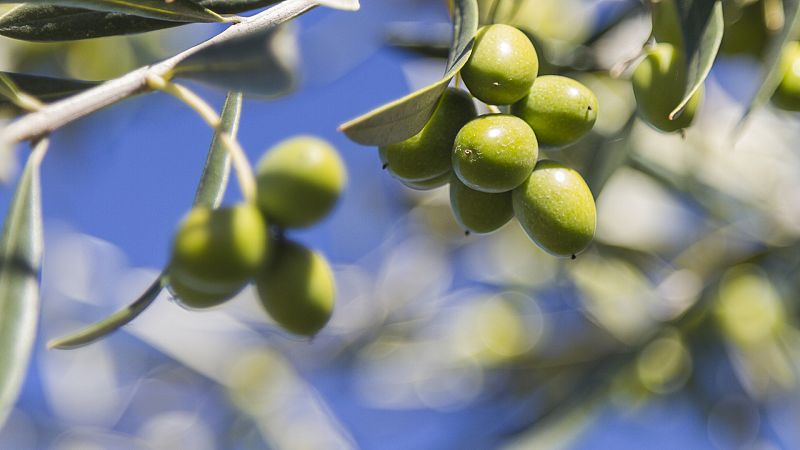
(659, 82)
(556, 209)
(297, 288)
(787, 95)
(502, 66)
(479, 212)
(299, 181)
(495, 153)
(559, 109)
(426, 155)
(215, 252)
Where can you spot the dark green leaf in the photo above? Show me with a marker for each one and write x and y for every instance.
(210, 191)
(45, 88)
(403, 118)
(771, 72)
(262, 64)
(172, 10)
(37, 22)
(21, 253)
(702, 24)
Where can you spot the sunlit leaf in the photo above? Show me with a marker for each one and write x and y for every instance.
(261, 64)
(403, 118)
(45, 22)
(43, 88)
(172, 10)
(21, 253)
(210, 191)
(771, 72)
(702, 25)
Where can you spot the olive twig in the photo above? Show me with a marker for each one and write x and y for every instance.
(244, 171)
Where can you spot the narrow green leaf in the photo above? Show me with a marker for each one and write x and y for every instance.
(210, 191)
(21, 253)
(702, 25)
(403, 118)
(172, 10)
(43, 22)
(44, 88)
(261, 64)
(771, 70)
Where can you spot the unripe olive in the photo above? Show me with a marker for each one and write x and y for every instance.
(787, 95)
(215, 252)
(299, 181)
(297, 288)
(559, 109)
(556, 208)
(659, 82)
(502, 66)
(479, 212)
(427, 185)
(495, 153)
(427, 154)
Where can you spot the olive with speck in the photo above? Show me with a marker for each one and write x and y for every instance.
(559, 109)
(495, 153)
(215, 252)
(299, 181)
(502, 66)
(659, 82)
(556, 209)
(479, 212)
(297, 288)
(426, 155)
(787, 95)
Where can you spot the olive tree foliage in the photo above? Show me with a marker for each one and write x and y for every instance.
(708, 292)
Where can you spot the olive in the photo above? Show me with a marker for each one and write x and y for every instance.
(787, 95)
(479, 212)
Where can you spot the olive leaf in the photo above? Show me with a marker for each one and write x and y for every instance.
(261, 64)
(210, 191)
(42, 88)
(404, 117)
(771, 68)
(172, 10)
(21, 253)
(44, 22)
(702, 25)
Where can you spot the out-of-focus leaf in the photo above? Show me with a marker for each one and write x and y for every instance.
(261, 64)
(173, 10)
(210, 191)
(702, 24)
(44, 22)
(425, 38)
(21, 253)
(771, 74)
(45, 88)
(345, 5)
(403, 118)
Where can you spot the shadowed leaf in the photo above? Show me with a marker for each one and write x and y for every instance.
(172, 10)
(21, 253)
(44, 88)
(210, 191)
(403, 118)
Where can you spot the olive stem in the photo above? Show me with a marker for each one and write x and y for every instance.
(493, 109)
(55, 115)
(244, 171)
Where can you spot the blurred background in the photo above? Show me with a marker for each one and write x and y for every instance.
(676, 329)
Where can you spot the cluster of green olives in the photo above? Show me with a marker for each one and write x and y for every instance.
(491, 162)
(217, 252)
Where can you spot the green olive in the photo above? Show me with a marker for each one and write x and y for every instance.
(559, 109)
(659, 82)
(215, 252)
(427, 185)
(556, 208)
(426, 155)
(299, 181)
(502, 66)
(479, 212)
(787, 95)
(297, 288)
(495, 153)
